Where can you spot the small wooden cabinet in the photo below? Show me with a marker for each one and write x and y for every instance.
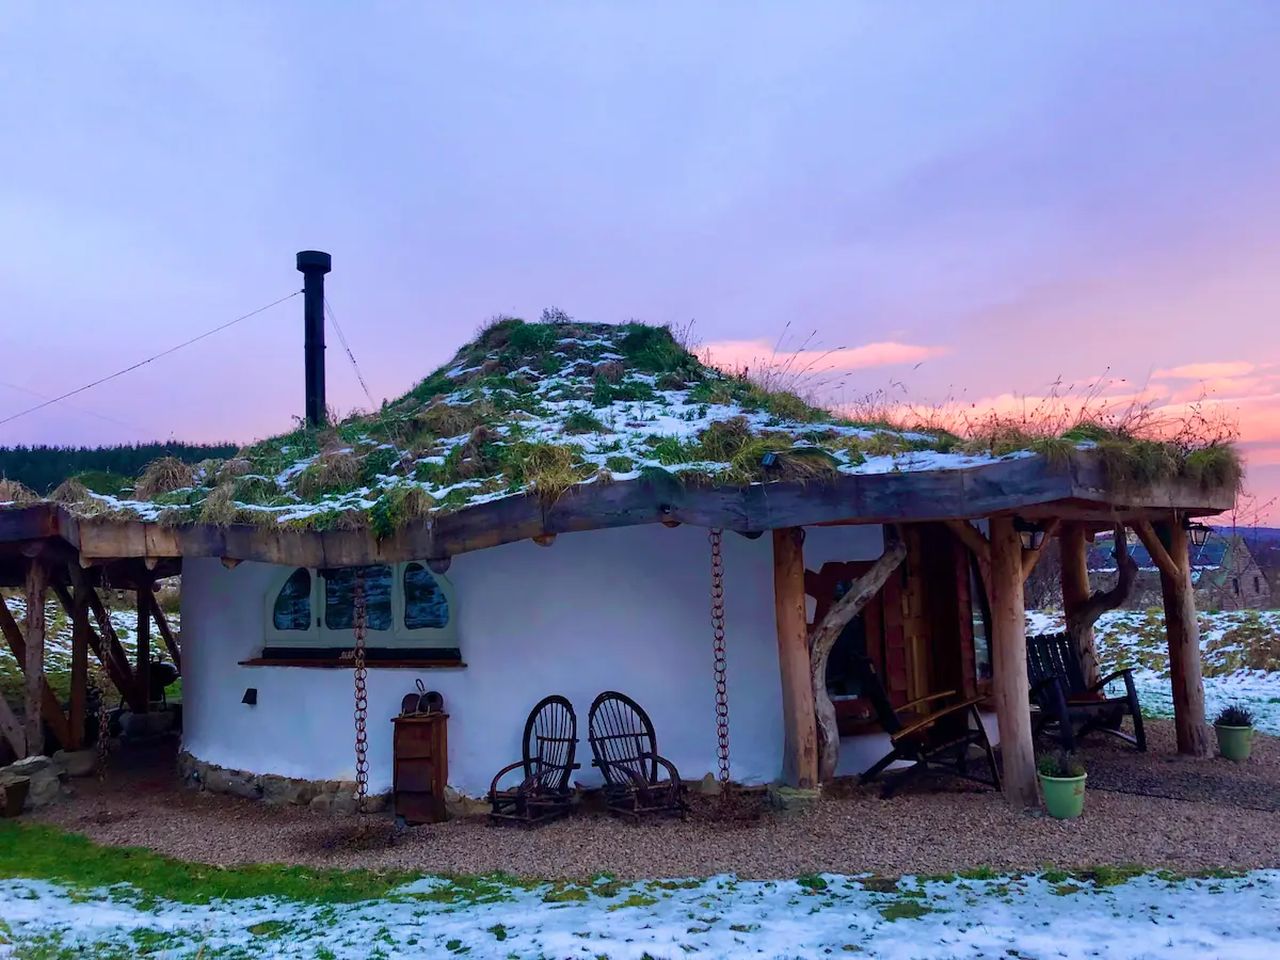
(420, 759)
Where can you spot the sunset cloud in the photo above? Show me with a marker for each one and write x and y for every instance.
(1206, 371)
(755, 354)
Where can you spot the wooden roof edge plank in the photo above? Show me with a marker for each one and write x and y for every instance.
(1031, 484)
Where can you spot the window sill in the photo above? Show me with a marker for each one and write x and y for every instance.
(347, 663)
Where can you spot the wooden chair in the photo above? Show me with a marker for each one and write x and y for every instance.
(928, 732)
(550, 743)
(625, 747)
(1069, 705)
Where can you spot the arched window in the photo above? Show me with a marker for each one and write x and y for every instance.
(340, 597)
(425, 605)
(292, 607)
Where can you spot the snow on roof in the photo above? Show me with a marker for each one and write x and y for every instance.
(533, 407)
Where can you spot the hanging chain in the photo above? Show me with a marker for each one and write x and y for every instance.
(362, 697)
(717, 627)
(98, 685)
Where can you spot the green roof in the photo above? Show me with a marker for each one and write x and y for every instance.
(541, 407)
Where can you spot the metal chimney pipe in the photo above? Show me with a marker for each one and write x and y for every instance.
(314, 264)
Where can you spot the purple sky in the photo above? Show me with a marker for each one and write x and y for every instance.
(1023, 192)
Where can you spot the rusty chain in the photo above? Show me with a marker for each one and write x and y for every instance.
(98, 682)
(359, 623)
(715, 535)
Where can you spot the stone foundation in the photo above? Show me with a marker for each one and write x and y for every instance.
(322, 796)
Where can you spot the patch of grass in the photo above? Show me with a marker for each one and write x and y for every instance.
(581, 421)
(1216, 466)
(163, 475)
(11, 491)
(634, 900)
(454, 419)
(104, 482)
(812, 882)
(654, 350)
(905, 909)
(334, 472)
(620, 464)
(41, 852)
(397, 507)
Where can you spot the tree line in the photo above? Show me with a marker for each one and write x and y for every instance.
(44, 467)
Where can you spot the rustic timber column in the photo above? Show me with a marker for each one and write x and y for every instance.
(1009, 653)
(37, 581)
(143, 672)
(800, 740)
(80, 630)
(1183, 629)
(1075, 592)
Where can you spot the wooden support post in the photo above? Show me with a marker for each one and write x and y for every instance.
(80, 631)
(142, 675)
(11, 729)
(37, 582)
(1183, 630)
(1009, 653)
(800, 739)
(107, 648)
(53, 715)
(1075, 592)
(166, 634)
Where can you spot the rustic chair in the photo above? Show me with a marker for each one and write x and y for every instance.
(1069, 705)
(550, 742)
(625, 747)
(928, 732)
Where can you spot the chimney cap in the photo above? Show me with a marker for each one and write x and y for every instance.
(309, 260)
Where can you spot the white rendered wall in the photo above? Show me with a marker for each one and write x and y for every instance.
(625, 609)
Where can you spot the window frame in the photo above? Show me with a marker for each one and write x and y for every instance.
(398, 637)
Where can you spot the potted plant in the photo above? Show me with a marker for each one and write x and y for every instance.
(1062, 779)
(1234, 727)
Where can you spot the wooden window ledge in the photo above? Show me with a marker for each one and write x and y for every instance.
(346, 663)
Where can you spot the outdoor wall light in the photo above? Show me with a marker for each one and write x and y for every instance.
(250, 696)
(1031, 534)
(1197, 533)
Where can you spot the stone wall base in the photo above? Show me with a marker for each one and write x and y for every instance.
(321, 796)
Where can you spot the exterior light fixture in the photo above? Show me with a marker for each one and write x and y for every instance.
(250, 696)
(1197, 533)
(1031, 534)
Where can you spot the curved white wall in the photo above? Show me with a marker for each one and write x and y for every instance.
(625, 609)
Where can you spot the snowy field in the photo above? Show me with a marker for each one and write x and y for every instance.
(820, 916)
(1240, 654)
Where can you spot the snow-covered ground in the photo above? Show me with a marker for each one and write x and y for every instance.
(821, 916)
(1240, 654)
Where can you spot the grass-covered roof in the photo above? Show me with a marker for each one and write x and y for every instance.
(541, 407)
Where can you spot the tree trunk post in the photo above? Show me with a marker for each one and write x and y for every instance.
(800, 738)
(1009, 651)
(1184, 646)
(37, 581)
(79, 670)
(1075, 592)
(142, 675)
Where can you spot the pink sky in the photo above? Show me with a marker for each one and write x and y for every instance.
(976, 200)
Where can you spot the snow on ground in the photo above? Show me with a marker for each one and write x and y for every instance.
(1033, 917)
(1240, 654)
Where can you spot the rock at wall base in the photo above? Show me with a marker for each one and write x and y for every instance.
(789, 801)
(44, 780)
(76, 763)
(458, 804)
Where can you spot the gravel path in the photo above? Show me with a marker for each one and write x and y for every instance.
(917, 831)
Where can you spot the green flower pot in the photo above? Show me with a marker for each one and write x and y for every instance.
(1063, 796)
(1234, 743)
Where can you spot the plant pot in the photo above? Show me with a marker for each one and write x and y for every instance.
(1063, 796)
(1234, 743)
(13, 794)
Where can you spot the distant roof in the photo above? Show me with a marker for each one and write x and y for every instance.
(1209, 556)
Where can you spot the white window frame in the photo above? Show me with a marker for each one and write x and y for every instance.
(319, 635)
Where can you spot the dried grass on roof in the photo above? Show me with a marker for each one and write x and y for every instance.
(163, 475)
(12, 491)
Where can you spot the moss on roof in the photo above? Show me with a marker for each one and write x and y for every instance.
(541, 407)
